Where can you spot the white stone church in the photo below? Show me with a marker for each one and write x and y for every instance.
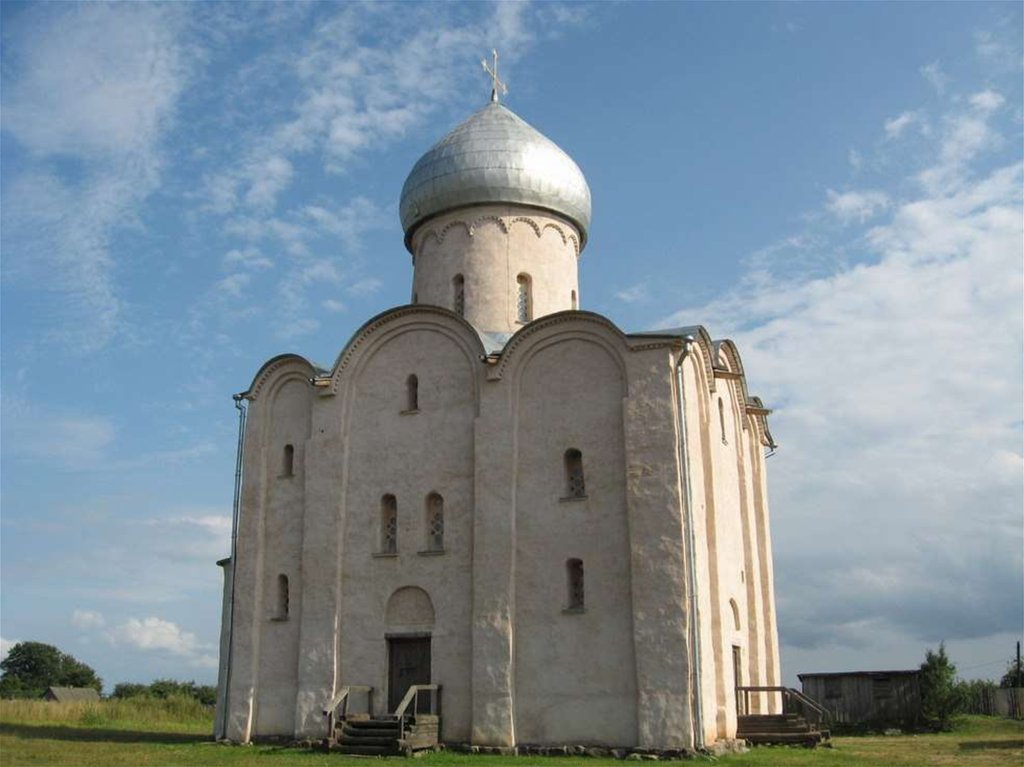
(562, 525)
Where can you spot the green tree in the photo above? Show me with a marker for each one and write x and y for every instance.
(31, 667)
(940, 697)
(1013, 676)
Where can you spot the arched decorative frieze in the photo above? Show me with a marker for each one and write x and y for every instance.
(583, 325)
(529, 222)
(505, 223)
(407, 318)
(273, 367)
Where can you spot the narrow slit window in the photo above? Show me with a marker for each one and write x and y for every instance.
(412, 393)
(282, 597)
(524, 310)
(435, 522)
(573, 301)
(574, 574)
(574, 485)
(288, 461)
(721, 420)
(459, 295)
(388, 524)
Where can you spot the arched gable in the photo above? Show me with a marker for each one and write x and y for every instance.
(403, 318)
(276, 368)
(553, 327)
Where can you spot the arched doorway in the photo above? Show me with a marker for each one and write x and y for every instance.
(409, 619)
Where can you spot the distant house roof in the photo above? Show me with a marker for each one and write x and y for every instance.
(860, 673)
(68, 694)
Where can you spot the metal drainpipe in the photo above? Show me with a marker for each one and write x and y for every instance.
(239, 400)
(684, 454)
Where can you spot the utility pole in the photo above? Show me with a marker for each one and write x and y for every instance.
(1018, 665)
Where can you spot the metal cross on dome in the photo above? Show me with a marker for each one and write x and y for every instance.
(496, 84)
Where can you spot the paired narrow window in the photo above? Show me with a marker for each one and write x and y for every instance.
(459, 295)
(574, 484)
(288, 461)
(573, 302)
(524, 301)
(412, 393)
(282, 597)
(388, 524)
(574, 576)
(435, 522)
(721, 420)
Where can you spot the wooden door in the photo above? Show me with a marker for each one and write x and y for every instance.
(408, 664)
(737, 675)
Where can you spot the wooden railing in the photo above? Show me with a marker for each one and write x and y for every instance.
(340, 701)
(412, 697)
(793, 701)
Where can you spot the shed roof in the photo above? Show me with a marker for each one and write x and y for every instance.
(68, 694)
(900, 672)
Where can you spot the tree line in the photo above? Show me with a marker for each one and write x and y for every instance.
(31, 667)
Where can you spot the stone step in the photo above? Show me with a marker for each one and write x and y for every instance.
(366, 732)
(373, 724)
(764, 738)
(368, 750)
(346, 740)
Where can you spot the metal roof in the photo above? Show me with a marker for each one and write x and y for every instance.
(495, 157)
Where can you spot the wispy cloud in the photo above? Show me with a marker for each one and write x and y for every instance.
(634, 294)
(935, 76)
(896, 383)
(895, 127)
(96, 86)
(858, 207)
(87, 619)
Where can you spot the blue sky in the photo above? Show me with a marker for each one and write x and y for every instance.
(189, 189)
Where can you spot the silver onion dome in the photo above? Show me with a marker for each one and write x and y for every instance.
(495, 157)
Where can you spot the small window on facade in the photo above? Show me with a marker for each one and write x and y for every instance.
(574, 304)
(575, 487)
(412, 393)
(388, 524)
(524, 308)
(833, 687)
(415, 298)
(288, 463)
(459, 295)
(574, 573)
(721, 420)
(282, 598)
(435, 522)
(735, 614)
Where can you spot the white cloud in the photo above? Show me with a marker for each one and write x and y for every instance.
(267, 178)
(96, 85)
(87, 619)
(364, 287)
(333, 305)
(935, 76)
(6, 645)
(987, 101)
(247, 258)
(896, 383)
(856, 206)
(155, 635)
(633, 294)
(894, 128)
(233, 284)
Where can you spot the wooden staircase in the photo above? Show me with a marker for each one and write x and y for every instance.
(789, 729)
(803, 722)
(397, 734)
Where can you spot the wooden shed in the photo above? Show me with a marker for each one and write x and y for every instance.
(870, 700)
(71, 694)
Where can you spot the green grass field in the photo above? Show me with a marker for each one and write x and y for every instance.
(177, 732)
